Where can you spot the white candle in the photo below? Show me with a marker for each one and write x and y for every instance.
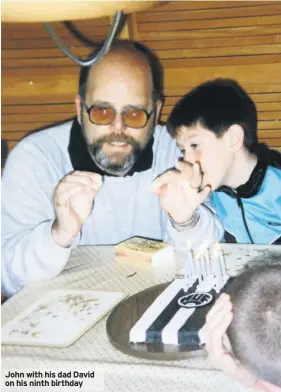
(188, 267)
(186, 273)
(220, 267)
(192, 264)
(203, 266)
(208, 263)
(201, 250)
(200, 259)
(198, 267)
(223, 266)
(216, 265)
(198, 271)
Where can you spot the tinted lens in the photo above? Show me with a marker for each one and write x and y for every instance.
(102, 115)
(135, 118)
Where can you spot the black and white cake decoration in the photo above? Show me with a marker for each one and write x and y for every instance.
(195, 300)
(178, 313)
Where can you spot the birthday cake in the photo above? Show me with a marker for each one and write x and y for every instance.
(179, 312)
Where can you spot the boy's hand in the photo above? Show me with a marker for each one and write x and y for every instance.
(179, 191)
(217, 343)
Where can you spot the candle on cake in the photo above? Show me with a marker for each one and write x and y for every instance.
(223, 265)
(200, 256)
(216, 267)
(188, 266)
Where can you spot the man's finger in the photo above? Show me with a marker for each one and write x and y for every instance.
(165, 178)
(64, 186)
(92, 176)
(85, 180)
(63, 198)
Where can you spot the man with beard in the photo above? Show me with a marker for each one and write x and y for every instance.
(88, 182)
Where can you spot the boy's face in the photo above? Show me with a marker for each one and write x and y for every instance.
(214, 154)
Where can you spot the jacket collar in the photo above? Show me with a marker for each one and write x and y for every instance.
(81, 158)
(265, 157)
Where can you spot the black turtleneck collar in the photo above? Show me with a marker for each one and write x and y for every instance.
(81, 158)
(265, 157)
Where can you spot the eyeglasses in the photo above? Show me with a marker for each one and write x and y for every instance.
(105, 115)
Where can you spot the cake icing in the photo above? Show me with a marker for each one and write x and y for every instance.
(176, 316)
(178, 313)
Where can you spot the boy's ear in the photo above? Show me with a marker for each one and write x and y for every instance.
(78, 107)
(236, 137)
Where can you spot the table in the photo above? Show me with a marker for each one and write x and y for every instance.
(95, 268)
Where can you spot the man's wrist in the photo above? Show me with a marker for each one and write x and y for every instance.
(189, 224)
(62, 238)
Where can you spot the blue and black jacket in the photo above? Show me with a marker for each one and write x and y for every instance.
(251, 213)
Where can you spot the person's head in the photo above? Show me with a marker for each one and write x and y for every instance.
(119, 104)
(255, 331)
(213, 124)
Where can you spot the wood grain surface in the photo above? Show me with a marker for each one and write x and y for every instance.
(194, 40)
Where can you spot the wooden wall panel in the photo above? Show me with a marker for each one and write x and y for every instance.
(195, 41)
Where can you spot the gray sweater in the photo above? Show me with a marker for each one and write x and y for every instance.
(124, 207)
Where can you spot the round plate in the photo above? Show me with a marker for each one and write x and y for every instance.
(126, 314)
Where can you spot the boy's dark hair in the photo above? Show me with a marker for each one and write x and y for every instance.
(135, 48)
(255, 332)
(216, 105)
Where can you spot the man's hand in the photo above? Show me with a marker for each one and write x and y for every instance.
(179, 191)
(217, 343)
(73, 203)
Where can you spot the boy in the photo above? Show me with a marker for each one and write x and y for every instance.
(251, 350)
(215, 126)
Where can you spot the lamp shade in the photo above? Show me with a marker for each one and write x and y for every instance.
(61, 10)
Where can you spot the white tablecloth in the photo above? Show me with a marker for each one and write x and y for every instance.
(95, 268)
